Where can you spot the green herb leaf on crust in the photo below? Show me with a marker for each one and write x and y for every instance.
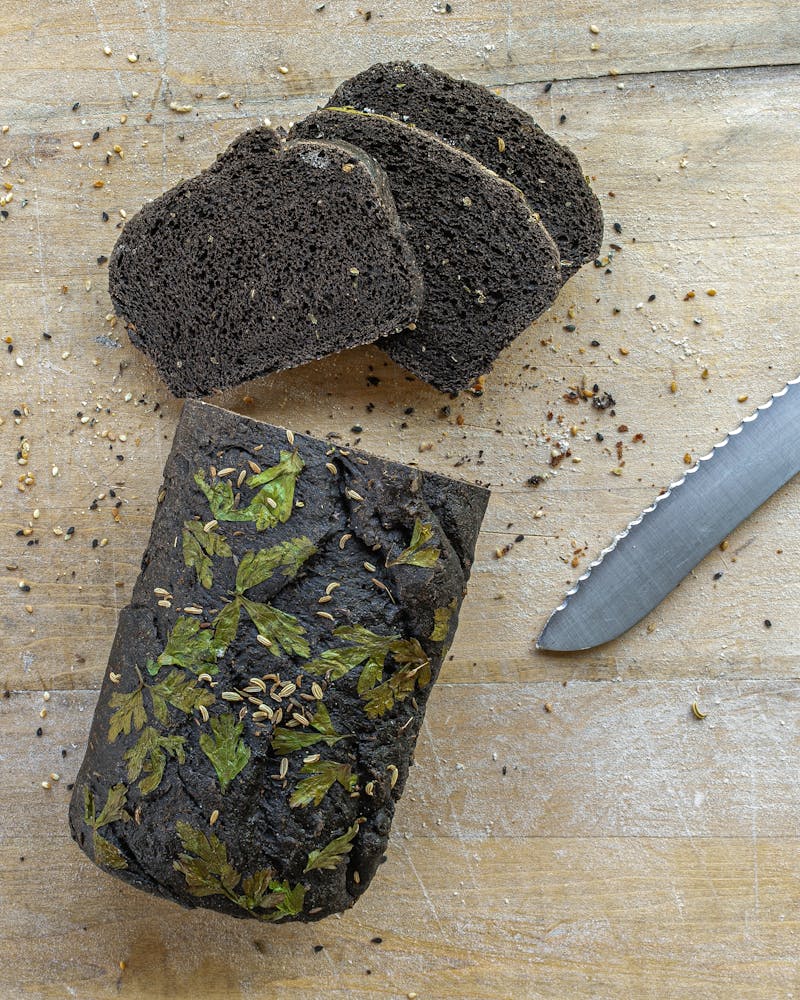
(397, 687)
(323, 776)
(208, 872)
(191, 647)
(225, 748)
(332, 855)
(226, 625)
(441, 622)
(181, 692)
(285, 740)
(291, 901)
(112, 812)
(281, 628)
(221, 499)
(198, 548)
(129, 714)
(106, 854)
(149, 754)
(288, 556)
(419, 552)
(366, 648)
(274, 501)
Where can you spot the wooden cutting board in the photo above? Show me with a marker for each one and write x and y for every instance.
(571, 830)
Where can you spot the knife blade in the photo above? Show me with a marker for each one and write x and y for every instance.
(668, 539)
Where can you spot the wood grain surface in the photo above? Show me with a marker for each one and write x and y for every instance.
(612, 846)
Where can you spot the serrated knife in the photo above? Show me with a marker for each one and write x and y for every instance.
(668, 539)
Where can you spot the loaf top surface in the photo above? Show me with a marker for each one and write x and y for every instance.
(489, 266)
(275, 255)
(268, 679)
(500, 135)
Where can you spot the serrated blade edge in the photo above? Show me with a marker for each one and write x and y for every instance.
(768, 464)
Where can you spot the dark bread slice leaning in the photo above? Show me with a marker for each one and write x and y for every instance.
(500, 135)
(489, 266)
(275, 255)
(269, 678)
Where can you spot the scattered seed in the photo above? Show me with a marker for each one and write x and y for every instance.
(324, 614)
(263, 640)
(317, 691)
(193, 610)
(353, 495)
(344, 540)
(742, 399)
(210, 525)
(231, 696)
(284, 768)
(696, 711)
(331, 468)
(203, 712)
(370, 568)
(290, 437)
(325, 599)
(393, 775)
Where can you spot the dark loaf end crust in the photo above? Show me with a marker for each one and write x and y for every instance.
(275, 255)
(257, 828)
(472, 118)
(489, 266)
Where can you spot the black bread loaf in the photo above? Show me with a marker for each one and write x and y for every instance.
(489, 266)
(500, 135)
(273, 256)
(268, 680)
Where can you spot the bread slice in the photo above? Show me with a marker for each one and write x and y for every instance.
(500, 135)
(489, 266)
(269, 678)
(275, 255)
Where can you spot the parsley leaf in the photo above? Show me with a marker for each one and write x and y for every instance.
(191, 647)
(149, 754)
(198, 548)
(221, 499)
(285, 740)
(181, 692)
(367, 648)
(112, 812)
(324, 775)
(332, 855)
(288, 556)
(277, 485)
(224, 748)
(129, 714)
(418, 553)
(226, 624)
(281, 628)
(398, 687)
(441, 622)
(208, 872)
(291, 901)
(105, 853)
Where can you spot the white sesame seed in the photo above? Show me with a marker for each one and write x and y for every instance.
(212, 819)
(133, 57)
(46, 696)
(106, 50)
(290, 437)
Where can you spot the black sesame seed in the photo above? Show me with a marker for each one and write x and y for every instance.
(318, 947)
(718, 576)
(767, 623)
(617, 227)
(547, 86)
(377, 940)
(652, 297)
(40, 731)
(562, 119)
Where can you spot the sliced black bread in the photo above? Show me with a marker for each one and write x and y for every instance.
(489, 266)
(500, 135)
(268, 680)
(275, 255)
